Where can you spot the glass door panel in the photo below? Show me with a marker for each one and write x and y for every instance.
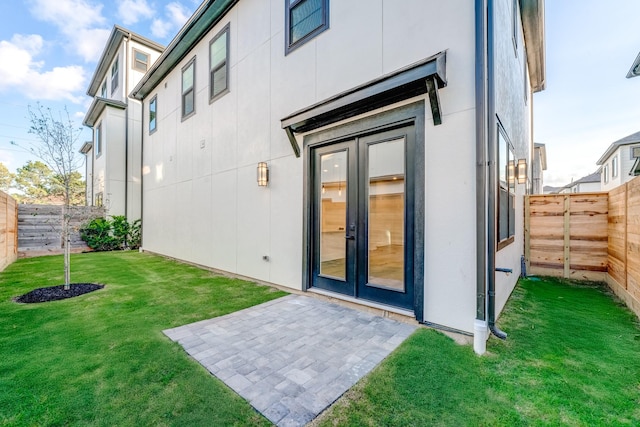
(386, 213)
(333, 214)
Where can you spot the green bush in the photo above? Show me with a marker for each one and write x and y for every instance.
(113, 234)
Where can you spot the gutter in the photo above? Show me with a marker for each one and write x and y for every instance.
(480, 324)
(492, 150)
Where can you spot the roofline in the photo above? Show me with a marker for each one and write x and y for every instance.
(110, 50)
(533, 21)
(86, 147)
(96, 108)
(612, 148)
(634, 71)
(204, 18)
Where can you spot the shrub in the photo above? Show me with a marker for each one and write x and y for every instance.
(116, 233)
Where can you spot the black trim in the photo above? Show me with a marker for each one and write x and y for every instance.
(289, 5)
(417, 79)
(155, 128)
(388, 120)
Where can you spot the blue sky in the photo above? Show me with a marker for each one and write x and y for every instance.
(49, 49)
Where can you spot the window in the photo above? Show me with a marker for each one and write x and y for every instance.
(98, 202)
(614, 167)
(140, 61)
(188, 81)
(506, 191)
(305, 19)
(98, 139)
(635, 152)
(114, 76)
(605, 174)
(103, 91)
(219, 64)
(153, 109)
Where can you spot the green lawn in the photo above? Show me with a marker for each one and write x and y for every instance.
(572, 357)
(101, 358)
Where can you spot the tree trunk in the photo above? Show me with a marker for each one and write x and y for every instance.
(67, 250)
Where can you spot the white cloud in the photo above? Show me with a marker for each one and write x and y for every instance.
(132, 11)
(80, 21)
(175, 17)
(21, 72)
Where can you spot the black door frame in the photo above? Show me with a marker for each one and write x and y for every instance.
(399, 117)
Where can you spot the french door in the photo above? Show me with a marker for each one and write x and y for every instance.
(362, 217)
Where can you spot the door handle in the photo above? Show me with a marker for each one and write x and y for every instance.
(350, 237)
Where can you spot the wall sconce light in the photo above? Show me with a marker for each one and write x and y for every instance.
(522, 171)
(263, 174)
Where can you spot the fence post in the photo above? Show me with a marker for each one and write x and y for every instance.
(567, 235)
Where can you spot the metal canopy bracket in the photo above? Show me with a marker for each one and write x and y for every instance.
(426, 76)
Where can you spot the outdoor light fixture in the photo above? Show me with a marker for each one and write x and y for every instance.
(522, 171)
(263, 174)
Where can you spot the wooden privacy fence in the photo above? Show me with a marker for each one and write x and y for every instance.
(624, 243)
(566, 235)
(40, 228)
(8, 230)
(593, 236)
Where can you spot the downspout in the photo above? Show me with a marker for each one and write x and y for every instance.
(493, 182)
(480, 324)
(125, 75)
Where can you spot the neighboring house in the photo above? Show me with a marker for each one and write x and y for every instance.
(619, 164)
(548, 189)
(368, 151)
(114, 155)
(538, 165)
(587, 184)
(635, 68)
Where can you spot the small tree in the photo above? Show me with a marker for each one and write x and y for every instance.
(6, 178)
(58, 137)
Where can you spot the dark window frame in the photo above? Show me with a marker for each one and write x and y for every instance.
(506, 191)
(135, 61)
(191, 63)
(153, 121)
(631, 148)
(115, 75)
(515, 18)
(290, 5)
(103, 89)
(98, 140)
(216, 67)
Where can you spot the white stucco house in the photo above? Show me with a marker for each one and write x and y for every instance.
(620, 163)
(538, 166)
(376, 152)
(587, 184)
(113, 157)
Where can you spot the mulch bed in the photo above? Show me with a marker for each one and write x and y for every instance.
(54, 293)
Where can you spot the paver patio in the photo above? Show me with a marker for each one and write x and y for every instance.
(292, 357)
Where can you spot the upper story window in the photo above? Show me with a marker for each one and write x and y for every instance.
(305, 19)
(103, 90)
(188, 95)
(219, 64)
(605, 174)
(506, 190)
(614, 167)
(634, 152)
(114, 76)
(98, 140)
(140, 61)
(153, 110)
